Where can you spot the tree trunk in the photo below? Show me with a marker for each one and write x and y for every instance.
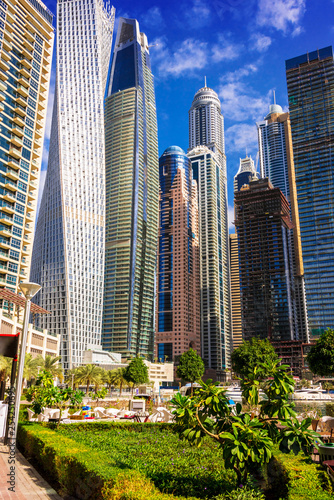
(120, 389)
(87, 388)
(192, 389)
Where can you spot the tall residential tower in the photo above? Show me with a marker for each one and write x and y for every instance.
(68, 258)
(207, 154)
(132, 197)
(26, 35)
(178, 277)
(276, 163)
(310, 81)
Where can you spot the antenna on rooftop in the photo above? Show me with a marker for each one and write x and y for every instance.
(205, 81)
(274, 92)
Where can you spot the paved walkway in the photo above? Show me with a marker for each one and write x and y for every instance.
(29, 484)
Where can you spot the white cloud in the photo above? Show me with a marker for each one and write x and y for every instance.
(240, 138)
(198, 15)
(190, 56)
(282, 15)
(231, 218)
(153, 18)
(260, 42)
(240, 102)
(225, 50)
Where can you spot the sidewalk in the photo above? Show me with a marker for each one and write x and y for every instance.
(29, 484)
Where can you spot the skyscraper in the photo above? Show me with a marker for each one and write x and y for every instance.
(262, 223)
(245, 174)
(132, 197)
(235, 292)
(277, 163)
(68, 258)
(178, 272)
(310, 81)
(207, 155)
(26, 34)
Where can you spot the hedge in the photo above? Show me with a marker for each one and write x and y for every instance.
(296, 477)
(83, 473)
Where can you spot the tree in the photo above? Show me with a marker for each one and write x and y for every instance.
(321, 356)
(52, 365)
(191, 367)
(31, 367)
(136, 373)
(44, 394)
(245, 438)
(5, 368)
(88, 375)
(250, 353)
(327, 386)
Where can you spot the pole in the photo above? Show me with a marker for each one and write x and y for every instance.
(10, 413)
(20, 369)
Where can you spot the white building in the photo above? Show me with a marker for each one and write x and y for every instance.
(207, 154)
(68, 257)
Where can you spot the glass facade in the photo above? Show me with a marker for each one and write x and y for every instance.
(132, 197)
(310, 82)
(207, 155)
(245, 174)
(277, 164)
(69, 245)
(26, 41)
(178, 274)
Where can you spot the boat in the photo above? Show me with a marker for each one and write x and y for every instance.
(314, 394)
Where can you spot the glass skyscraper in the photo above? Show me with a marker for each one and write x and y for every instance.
(207, 154)
(245, 174)
(26, 35)
(277, 164)
(310, 82)
(132, 197)
(178, 274)
(68, 259)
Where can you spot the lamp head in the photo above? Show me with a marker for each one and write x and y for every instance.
(29, 289)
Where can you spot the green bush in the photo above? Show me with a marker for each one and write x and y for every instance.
(330, 409)
(296, 477)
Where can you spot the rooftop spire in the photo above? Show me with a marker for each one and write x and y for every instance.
(205, 81)
(274, 92)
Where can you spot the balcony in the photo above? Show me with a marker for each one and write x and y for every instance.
(19, 99)
(4, 243)
(26, 237)
(6, 44)
(3, 267)
(4, 255)
(4, 231)
(32, 195)
(29, 36)
(3, 86)
(20, 110)
(18, 119)
(38, 142)
(18, 130)
(2, 96)
(13, 163)
(6, 207)
(10, 185)
(28, 43)
(5, 219)
(43, 95)
(3, 76)
(29, 216)
(12, 174)
(34, 174)
(26, 63)
(16, 140)
(23, 273)
(24, 262)
(24, 71)
(15, 152)
(40, 112)
(41, 104)
(39, 132)
(4, 65)
(22, 90)
(23, 81)
(25, 250)
(5, 55)
(28, 54)
(35, 153)
(8, 196)
(28, 228)
(2, 282)
(11, 18)
(8, 35)
(33, 184)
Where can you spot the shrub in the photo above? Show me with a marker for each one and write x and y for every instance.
(330, 409)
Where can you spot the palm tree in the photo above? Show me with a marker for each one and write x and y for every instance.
(70, 377)
(5, 368)
(87, 374)
(51, 364)
(31, 367)
(109, 379)
(119, 379)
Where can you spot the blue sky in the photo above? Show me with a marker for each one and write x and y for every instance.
(239, 45)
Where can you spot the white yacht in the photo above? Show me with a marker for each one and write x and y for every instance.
(314, 394)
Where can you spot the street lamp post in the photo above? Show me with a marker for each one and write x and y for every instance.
(29, 290)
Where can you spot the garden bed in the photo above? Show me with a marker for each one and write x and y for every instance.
(125, 460)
